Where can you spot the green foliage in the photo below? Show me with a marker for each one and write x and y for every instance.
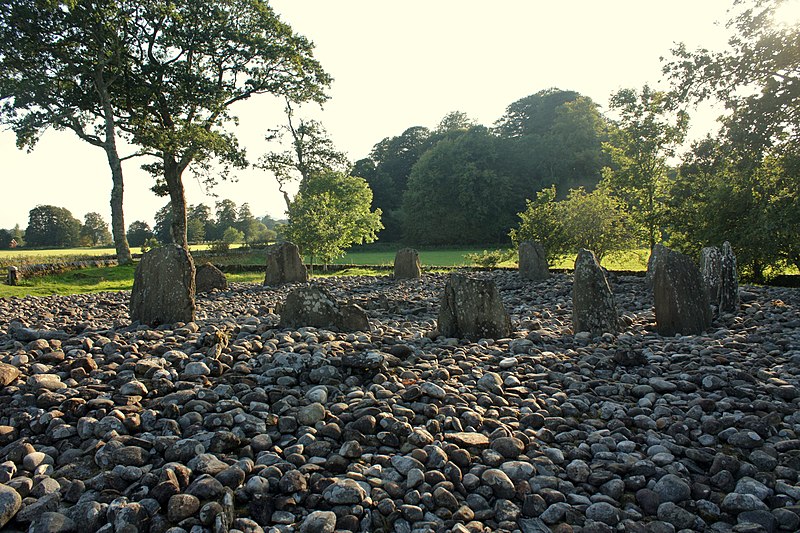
(592, 220)
(311, 152)
(49, 225)
(460, 193)
(756, 209)
(149, 244)
(330, 213)
(94, 231)
(757, 78)
(490, 258)
(649, 131)
(232, 236)
(139, 232)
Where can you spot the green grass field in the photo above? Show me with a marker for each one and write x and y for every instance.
(121, 278)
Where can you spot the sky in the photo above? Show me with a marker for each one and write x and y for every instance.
(397, 64)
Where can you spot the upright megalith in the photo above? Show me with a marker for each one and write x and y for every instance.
(593, 307)
(284, 265)
(208, 277)
(163, 287)
(681, 302)
(533, 261)
(720, 278)
(406, 264)
(316, 307)
(471, 308)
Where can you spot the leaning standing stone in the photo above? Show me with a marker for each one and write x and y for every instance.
(472, 308)
(284, 265)
(406, 264)
(163, 287)
(681, 303)
(593, 307)
(533, 261)
(208, 278)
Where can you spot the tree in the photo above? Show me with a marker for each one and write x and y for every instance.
(387, 171)
(226, 215)
(714, 199)
(455, 121)
(555, 137)
(162, 228)
(232, 236)
(757, 78)
(49, 225)
(330, 213)
(5, 238)
(95, 230)
(63, 61)
(460, 192)
(311, 152)
(199, 223)
(649, 132)
(197, 59)
(139, 232)
(592, 220)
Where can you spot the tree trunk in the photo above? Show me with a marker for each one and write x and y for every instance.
(177, 200)
(110, 146)
(117, 217)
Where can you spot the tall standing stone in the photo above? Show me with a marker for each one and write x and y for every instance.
(720, 278)
(593, 307)
(208, 277)
(472, 308)
(533, 261)
(406, 264)
(681, 302)
(163, 287)
(284, 265)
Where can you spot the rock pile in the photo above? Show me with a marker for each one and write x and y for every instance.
(231, 423)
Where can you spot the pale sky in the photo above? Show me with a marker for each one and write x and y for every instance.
(396, 65)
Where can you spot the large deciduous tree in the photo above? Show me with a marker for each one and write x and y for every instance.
(52, 226)
(311, 151)
(555, 137)
(94, 230)
(61, 63)
(330, 213)
(460, 192)
(648, 134)
(193, 61)
(757, 77)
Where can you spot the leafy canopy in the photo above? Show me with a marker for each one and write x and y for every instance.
(330, 213)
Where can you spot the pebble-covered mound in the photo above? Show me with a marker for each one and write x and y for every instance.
(230, 424)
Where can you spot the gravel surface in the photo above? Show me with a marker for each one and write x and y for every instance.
(230, 424)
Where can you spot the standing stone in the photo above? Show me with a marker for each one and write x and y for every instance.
(209, 277)
(163, 287)
(729, 294)
(13, 275)
(406, 264)
(472, 308)
(284, 265)
(720, 278)
(681, 303)
(315, 307)
(593, 307)
(533, 261)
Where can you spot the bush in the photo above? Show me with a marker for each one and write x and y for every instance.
(490, 258)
